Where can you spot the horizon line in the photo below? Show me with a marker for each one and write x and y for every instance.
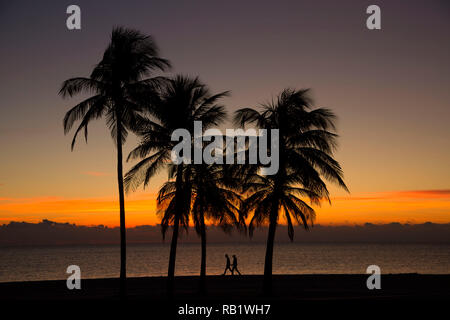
(51, 222)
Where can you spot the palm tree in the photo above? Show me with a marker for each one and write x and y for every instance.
(213, 201)
(204, 197)
(118, 83)
(182, 102)
(306, 145)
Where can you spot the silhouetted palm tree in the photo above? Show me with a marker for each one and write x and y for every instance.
(205, 197)
(182, 102)
(306, 145)
(213, 201)
(118, 85)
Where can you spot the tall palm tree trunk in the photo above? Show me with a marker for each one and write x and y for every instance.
(203, 260)
(123, 245)
(172, 257)
(176, 227)
(267, 282)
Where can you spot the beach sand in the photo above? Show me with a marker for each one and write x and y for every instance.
(220, 288)
(294, 295)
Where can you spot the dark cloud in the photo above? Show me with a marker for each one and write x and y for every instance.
(52, 233)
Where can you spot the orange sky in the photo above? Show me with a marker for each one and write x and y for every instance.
(382, 207)
(389, 90)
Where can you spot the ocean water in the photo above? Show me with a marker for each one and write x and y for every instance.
(49, 263)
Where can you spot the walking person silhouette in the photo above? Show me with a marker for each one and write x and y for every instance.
(235, 265)
(228, 266)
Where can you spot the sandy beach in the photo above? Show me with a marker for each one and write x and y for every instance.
(235, 288)
(293, 296)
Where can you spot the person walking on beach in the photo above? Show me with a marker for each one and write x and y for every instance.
(228, 266)
(235, 265)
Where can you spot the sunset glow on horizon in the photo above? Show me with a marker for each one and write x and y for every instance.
(417, 206)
